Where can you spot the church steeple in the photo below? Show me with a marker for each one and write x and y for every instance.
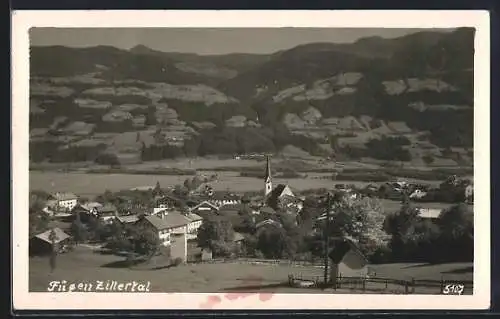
(267, 179)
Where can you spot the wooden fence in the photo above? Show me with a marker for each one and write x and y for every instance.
(382, 285)
(261, 261)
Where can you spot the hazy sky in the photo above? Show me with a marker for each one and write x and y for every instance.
(205, 41)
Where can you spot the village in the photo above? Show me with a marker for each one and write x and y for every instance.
(192, 223)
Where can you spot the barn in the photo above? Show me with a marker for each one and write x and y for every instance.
(346, 260)
(41, 244)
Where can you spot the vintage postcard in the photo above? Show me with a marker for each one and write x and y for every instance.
(251, 160)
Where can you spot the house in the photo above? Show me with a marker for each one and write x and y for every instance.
(268, 222)
(178, 246)
(205, 209)
(282, 197)
(195, 222)
(267, 211)
(159, 226)
(160, 212)
(41, 244)
(169, 202)
(224, 198)
(238, 208)
(128, 219)
(177, 221)
(238, 237)
(429, 213)
(418, 194)
(238, 240)
(206, 254)
(106, 213)
(65, 201)
(91, 205)
(198, 254)
(347, 260)
(85, 210)
(145, 188)
(291, 204)
(469, 193)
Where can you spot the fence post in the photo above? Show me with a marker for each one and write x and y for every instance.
(339, 280)
(413, 285)
(364, 284)
(386, 283)
(406, 287)
(441, 285)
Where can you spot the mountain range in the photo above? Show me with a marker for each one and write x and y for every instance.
(411, 96)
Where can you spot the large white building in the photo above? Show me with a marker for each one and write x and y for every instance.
(179, 223)
(65, 200)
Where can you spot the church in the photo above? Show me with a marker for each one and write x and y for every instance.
(281, 196)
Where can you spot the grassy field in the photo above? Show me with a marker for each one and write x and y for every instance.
(82, 265)
(93, 184)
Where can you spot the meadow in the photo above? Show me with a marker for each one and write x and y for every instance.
(83, 265)
(88, 184)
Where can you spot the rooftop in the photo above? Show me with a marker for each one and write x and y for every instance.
(156, 222)
(176, 219)
(64, 196)
(432, 213)
(107, 208)
(193, 217)
(60, 235)
(238, 237)
(128, 218)
(172, 220)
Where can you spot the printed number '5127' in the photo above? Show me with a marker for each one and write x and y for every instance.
(454, 289)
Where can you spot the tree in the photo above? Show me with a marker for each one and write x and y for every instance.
(151, 115)
(428, 159)
(360, 219)
(180, 191)
(157, 190)
(108, 159)
(118, 240)
(145, 242)
(457, 233)
(78, 231)
(53, 255)
(272, 241)
(96, 229)
(454, 221)
(38, 223)
(217, 235)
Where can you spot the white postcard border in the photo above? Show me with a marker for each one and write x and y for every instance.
(22, 21)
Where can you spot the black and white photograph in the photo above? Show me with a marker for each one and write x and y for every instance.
(246, 163)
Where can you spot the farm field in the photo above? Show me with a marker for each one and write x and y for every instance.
(92, 184)
(86, 184)
(207, 163)
(225, 277)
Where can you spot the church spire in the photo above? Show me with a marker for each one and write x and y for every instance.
(267, 179)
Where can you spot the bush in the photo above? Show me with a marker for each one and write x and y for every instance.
(177, 261)
(108, 159)
(388, 148)
(428, 159)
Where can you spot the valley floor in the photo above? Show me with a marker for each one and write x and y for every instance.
(83, 265)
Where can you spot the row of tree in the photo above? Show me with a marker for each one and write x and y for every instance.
(401, 236)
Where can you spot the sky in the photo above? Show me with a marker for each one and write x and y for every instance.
(205, 40)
